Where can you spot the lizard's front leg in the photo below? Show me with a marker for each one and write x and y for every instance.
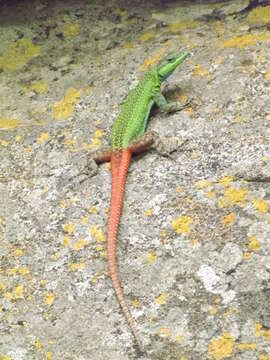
(166, 106)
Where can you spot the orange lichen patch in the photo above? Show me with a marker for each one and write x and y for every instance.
(80, 244)
(43, 138)
(246, 255)
(201, 184)
(147, 36)
(229, 219)
(97, 234)
(254, 244)
(77, 266)
(71, 30)
(225, 181)
(245, 40)
(181, 225)
(6, 357)
(260, 205)
(246, 346)
(267, 75)
(151, 258)
(183, 25)
(222, 347)
(18, 54)
(39, 87)
(68, 227)
(64, 108)
(164, 332)
(194, 242)
(200, 70)
(6, 123)
(259, 15)
(152, 61)
(49, 298)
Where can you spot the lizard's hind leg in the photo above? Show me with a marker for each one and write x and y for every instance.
(151, 139)
(101, 156)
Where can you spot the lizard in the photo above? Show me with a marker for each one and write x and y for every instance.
(128, 137)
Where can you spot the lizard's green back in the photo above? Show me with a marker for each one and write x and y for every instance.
(131, 121)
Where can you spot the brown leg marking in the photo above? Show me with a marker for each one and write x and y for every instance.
(101, 156)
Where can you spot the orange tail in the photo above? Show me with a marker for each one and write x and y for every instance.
(120, 161)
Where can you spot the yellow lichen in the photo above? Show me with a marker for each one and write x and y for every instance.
(71, 30)
(40, 87)
(201, 184)
(236, 196)
(18, 291)
(260, 205)
(68, 227)
(148, 212)
(254, 244)
(151, 258)
(18, 54)
(98, 234)
(246, 346)
(162, 299)
(200, 70)
(181, 225)
(183, 25)
(43, 138)
(37, 345)
(152, 61)
(6, 123)
(259, 15)
(164, 332)
(242, 41)
(225, 181)
(229, 219)
(49, 298)
(80, 244)
(222, 347)
(77, 266)
(64, 108)
(147, 36)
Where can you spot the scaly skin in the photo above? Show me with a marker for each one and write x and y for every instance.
(128, 138)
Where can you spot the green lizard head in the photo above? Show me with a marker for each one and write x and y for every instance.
(167, 65)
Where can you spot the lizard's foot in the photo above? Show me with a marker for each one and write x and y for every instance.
(174, 106)
(101, 156)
